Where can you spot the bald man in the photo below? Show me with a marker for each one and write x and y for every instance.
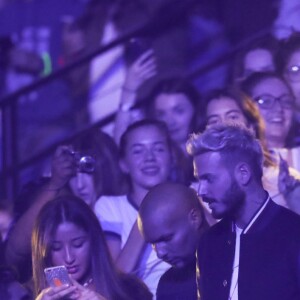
(172, 220)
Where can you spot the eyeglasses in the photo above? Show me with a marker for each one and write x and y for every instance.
(267, 101)
(293, 73)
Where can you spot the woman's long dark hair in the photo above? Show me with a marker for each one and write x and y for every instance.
(72, 209)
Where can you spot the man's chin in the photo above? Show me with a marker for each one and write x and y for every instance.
(179, 264)
(217, 215)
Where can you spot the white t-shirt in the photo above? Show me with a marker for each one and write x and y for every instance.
(117, 216)
(107, 75)
(233, 294)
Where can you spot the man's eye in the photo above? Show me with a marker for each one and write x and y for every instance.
(233, 117)
(213, 121)
(209, 179)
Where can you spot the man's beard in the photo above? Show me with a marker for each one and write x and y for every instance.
(234, 196)
(233, 199)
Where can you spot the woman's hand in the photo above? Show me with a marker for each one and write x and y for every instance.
(286, 182)
(63, 167)
(58, 292)
(141, 69)
(84, 293)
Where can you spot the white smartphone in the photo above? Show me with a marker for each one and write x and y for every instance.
(57, 276)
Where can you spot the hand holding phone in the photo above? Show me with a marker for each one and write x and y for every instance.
(57, 276)
(136, 47)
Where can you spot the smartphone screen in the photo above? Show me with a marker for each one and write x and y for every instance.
(57, 276)
(136, 47)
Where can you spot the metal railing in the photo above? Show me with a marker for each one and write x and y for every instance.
(11, 164)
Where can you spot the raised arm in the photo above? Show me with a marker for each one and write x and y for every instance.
(19, 242)
(140, 71)
(128, 257)
(289, 185)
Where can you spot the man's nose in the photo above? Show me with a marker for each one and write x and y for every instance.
(202, 188)
(160, 251)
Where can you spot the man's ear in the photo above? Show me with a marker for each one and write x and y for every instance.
(124, 166)
(242, 173)
(195, 218)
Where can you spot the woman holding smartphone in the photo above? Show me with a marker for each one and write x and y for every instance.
(68, 176)
(68, 233)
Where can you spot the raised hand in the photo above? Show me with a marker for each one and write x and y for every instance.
(286, 182)
(63, 167)
(84, 293)
(142, 69)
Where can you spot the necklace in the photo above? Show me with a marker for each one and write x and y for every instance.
(88, 282)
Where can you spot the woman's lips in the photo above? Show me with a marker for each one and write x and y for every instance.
(72, 270)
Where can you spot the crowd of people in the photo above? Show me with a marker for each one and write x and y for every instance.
(192, 192)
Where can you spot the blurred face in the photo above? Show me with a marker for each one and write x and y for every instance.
(71, 247)
(173, 236)
(224, 110)
(217, 187)
(258, 60)
(278, 117)
(177, 112)
(147, 157)
(83, 186)
(292, 75)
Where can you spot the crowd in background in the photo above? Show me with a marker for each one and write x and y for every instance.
(82, 205)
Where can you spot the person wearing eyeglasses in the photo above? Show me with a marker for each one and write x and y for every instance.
(276, 102)
(289, 64)
(231, 106)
